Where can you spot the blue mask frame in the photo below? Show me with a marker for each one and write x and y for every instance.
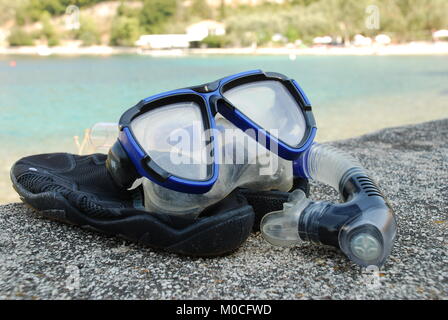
(211, 101)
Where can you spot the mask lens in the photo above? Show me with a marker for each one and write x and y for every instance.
(270, 105)
(173, 136)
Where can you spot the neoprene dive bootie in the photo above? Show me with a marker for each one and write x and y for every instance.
(189, 200)
(78, 190)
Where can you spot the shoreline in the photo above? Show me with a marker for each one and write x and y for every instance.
(409, 49)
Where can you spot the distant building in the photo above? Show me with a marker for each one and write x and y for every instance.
(360, 41)
(383, 39)
(323, 40)
(163, 41)
(278, 37)
(440, 35)
(201, 30)
(195, 33)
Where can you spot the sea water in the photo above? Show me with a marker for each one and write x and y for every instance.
(46, 101)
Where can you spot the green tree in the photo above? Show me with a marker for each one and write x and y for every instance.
(302, 2)
(125, 31)
(125, 10)
(222, 9)
(8, 9)
(88, 32)
(48, 31)
(200, 8)
(155, 13)
(33, 9)
(215, 41)
(51, 6)
(19, 37)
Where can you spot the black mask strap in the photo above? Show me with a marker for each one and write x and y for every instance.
(120, 167)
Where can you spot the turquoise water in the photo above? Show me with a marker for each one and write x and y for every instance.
(45, 101)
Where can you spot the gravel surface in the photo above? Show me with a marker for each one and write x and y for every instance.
(42, 259)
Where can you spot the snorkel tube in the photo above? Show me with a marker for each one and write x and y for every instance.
(363, 226)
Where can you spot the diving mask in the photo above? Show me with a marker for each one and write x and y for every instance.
(170, 138)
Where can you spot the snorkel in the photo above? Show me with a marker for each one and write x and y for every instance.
(363, 226)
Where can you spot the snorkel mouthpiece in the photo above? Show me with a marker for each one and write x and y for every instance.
(280, 228)
(363, 227)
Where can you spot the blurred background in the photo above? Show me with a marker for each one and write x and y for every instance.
(66, 65)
